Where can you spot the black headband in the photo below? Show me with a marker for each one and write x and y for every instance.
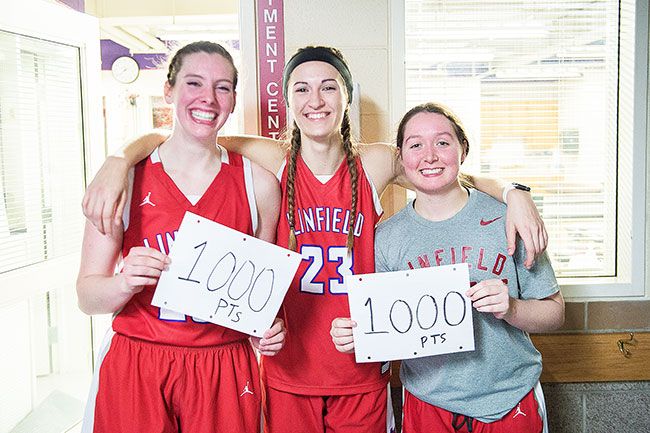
(317, 54)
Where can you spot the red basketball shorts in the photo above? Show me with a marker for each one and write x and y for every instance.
(154, 388)
(420, 416)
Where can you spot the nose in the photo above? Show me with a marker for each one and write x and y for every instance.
(208, 95)
(315, 99)
(430, 153)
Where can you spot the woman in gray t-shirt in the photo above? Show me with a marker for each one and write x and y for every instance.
(496, 386)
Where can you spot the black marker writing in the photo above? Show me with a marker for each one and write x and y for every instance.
(400, 314)
(241, 280)
(445, 309)
(194, 265)
(372, 320)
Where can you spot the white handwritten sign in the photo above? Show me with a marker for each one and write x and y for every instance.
(226, 277)
(411, 314)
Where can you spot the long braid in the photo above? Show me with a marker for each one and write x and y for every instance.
(291, 188)
(350, 156)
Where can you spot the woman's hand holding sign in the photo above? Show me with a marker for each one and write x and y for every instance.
(341, 333)
(490, 296)
(142, 267)
(272, 340)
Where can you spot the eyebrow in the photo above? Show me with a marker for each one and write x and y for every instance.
(411, 137)
(202, 77)
(436, 136)
(324, 81)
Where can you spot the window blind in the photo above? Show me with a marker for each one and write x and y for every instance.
(41, 151)
(537, 86)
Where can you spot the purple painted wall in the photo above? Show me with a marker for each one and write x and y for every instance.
(112, 50)
(78, 5)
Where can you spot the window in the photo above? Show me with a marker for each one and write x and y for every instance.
(547, 91)
(41, 151)
(45, 127)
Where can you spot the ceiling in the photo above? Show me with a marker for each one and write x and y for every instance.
(145, 34)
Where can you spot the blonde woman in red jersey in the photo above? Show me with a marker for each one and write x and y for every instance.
(160, 371)
(329, 209)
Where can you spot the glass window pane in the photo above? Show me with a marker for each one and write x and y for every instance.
(46, 366)
(537, 85)
(41, 151)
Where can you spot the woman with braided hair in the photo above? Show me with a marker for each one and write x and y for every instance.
(330, 206)
(331, 210)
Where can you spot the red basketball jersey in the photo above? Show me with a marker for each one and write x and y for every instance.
(309, 364)
(156, 210)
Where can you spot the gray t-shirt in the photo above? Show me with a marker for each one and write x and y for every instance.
(488, 382)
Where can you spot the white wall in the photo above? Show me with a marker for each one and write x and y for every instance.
(360, 29)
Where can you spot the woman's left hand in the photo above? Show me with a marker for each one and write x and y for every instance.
(341, 332)
(523, 218)
(272, 340)
(490, 296)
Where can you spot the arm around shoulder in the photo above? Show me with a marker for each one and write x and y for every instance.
(522, 217)
(266, 152)
(267, 200)
(380, 162)
(105, 197)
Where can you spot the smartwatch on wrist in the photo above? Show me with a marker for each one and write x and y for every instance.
(514, 185)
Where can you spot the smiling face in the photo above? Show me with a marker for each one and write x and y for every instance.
(431, 153)
(317, 99)
(203, 96)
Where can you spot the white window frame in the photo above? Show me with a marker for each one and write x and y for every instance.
(632, 286)
(52, 23)
(59, 24)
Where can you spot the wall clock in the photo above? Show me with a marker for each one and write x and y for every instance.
(125, 69)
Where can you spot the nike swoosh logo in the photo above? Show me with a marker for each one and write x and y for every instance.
(488, 222)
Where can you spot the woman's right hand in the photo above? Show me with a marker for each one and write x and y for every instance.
(142, 267)
(105, 197)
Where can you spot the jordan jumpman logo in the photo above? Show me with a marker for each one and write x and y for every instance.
(147, 200)
(246, 390)
(519, 411)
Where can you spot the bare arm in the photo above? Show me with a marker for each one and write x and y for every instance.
(105, 197)
(530, 315)
(381, 163)
(522, 217)
(99, 290)
(536, 315)
(266, 152)
(383, 166)
(267, 200)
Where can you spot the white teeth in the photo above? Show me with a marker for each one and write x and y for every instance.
(316, 115)
(426, 171)
(203, 115)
